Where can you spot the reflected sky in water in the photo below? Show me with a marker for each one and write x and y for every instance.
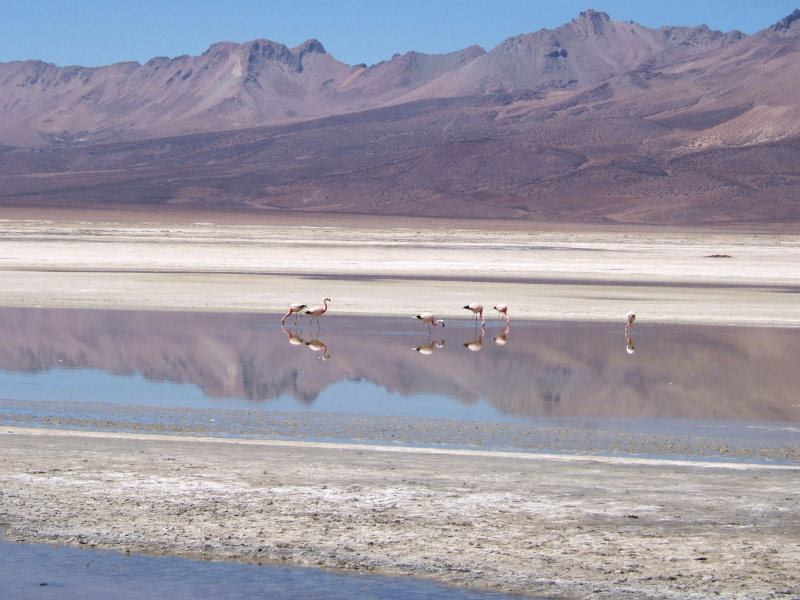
(38, 571)
(367, 379)
(361, 397)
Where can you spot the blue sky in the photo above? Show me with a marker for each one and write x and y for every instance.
(100, 32)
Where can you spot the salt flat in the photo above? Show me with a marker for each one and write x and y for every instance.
(576, 527)
(370, 268)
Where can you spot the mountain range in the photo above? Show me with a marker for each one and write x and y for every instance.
(596, 121)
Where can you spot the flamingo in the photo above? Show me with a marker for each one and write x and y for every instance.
(317, 311)
(430, 319)
(477, 309)
(503, 310)
(294, 308)
(631, 319)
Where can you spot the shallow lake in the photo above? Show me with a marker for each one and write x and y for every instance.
(674, 391)
(727, 393)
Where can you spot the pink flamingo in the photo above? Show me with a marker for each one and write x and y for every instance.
(317, 311)
(631, 319)
(430, 319)
(503, 310)
(477, 310)
(294, 308)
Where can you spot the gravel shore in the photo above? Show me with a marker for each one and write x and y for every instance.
(577, 527)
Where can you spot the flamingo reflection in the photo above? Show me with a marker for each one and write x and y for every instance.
(476, 343)
(294, 338)
(502, 339)
(630, 347)
(429, 347)
(318, 345)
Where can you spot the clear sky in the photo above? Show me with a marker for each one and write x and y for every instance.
(100, 32)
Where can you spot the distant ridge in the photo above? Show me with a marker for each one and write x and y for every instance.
(264, 82)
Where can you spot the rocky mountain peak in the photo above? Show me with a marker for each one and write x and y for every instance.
(789, 24)
(592, 22)
(311, 46)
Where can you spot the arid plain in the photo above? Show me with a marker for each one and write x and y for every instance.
(566, 526)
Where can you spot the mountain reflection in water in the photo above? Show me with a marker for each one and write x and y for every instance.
(531, 369)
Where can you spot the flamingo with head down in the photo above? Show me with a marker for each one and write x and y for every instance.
(503, 310)
(631, 319)
(477, 310)
(294, 308)
(430, 319)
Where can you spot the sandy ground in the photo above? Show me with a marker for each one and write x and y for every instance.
(534, 524)
(377, 269)
(562, 526)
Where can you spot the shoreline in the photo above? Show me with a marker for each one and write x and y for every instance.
(183, 215)
(574, 527)
(469, 453)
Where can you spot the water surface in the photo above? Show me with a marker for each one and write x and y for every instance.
(711, 393)
(663, 390)
(39, 571)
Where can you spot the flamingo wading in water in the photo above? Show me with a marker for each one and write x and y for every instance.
(430, 319)
(317, 311)
(294, 308)
(477, 310)
(503, 310)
